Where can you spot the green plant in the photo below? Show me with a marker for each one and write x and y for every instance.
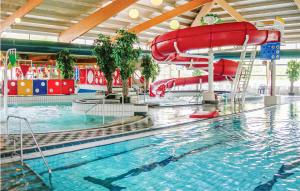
(65, 63)
(293, 72)
(125, 56)
(150, 69)
(198, 72)
(210, 18)
(12, 58)
(104, 54)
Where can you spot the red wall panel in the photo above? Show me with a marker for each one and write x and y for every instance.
(54, 87)
(68, 86)
(12, 86)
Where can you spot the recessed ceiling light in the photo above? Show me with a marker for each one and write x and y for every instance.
(156, 2)
(17, 20)
(134, 13)
(174, 24)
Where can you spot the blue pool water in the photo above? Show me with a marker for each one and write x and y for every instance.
(256, 151)
(52, 117)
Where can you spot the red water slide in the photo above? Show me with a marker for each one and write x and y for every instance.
(209, 36)
(222, 69)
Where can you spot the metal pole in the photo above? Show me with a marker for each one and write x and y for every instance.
(145, 91)
(5, 79)
(5, 88)
(38, 146)
(210, 72)
(200, 84)
(273, 78)
(7, 131)
(102, 109)
(122, 107)
(21, 139)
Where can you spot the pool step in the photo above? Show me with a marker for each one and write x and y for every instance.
(18, 177)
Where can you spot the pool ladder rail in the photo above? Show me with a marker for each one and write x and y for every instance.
(21, 139)
(93, 106)
(243, 74)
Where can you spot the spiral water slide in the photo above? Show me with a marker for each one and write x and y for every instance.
(166, 47)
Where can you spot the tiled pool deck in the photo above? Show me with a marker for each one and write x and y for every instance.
(159, 118)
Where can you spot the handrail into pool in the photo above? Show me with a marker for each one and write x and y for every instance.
(21, 139)
(93, 106)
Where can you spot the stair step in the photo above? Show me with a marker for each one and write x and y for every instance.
(22, 184)
(16, 174)
(10, 166)
(16, 177)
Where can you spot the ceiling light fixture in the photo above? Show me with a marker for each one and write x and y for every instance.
(156, 2)
(174, 24)
(17, 20)
(134, 13)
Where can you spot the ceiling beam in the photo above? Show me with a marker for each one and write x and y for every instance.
(230, 10)
(168, 15)
(94, 19)
(258, 5)
(203, 11)
(297, 3)
(23, 10)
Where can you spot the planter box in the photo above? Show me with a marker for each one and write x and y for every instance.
(126, 99)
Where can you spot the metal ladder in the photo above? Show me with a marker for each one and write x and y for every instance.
(243, 73)
(21, 139)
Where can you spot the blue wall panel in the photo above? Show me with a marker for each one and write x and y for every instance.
(39, 87)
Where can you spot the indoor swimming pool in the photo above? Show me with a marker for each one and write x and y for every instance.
(253, 151)
(52, 118)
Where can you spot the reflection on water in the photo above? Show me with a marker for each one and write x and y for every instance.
(253, 151)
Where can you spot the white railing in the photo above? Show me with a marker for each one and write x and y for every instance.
(21, 138)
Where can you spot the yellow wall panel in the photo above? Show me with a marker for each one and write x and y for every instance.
(25, 87)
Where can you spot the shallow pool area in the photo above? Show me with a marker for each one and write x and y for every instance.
(258, 150)
(53, 117)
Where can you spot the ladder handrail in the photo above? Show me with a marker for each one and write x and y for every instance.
(93, 106)
(252, 58)
(243, 74)
(33, 136)
(242, 57)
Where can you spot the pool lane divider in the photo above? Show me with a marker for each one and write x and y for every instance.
(65, 147)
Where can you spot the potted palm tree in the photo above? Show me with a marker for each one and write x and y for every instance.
(293, 72)
(65, 63)
(104, 54)
(150, 69)
(126, 57)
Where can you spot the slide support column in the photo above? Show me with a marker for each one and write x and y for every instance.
(272, 99)
(273, 78)
(209, 96)
(211, 72)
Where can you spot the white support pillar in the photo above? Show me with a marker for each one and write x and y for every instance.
(272, 99)
(211, 72)
(209, 96)
(273, 78)
(5, 89)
